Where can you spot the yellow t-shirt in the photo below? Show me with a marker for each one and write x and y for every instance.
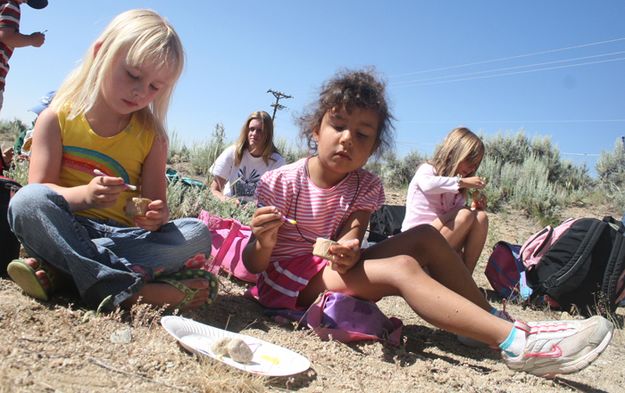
(121, 155)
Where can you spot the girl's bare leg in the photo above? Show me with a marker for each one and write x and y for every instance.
(426, 245)
(455, 226)
(161, 294)
(403, 276)
(465, 231)
(475, 240)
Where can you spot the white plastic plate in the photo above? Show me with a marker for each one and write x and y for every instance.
(269, 359)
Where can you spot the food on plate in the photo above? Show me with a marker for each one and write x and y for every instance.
(235, 348)
(239, 351)
(220, 346)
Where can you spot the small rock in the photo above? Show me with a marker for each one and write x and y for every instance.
(122, 336)
(89, 315)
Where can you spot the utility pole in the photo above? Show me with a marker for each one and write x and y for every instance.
(279, 95)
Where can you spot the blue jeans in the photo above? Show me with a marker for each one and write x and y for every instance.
(102, 258)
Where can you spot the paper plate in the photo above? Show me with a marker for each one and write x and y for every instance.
(269, 359)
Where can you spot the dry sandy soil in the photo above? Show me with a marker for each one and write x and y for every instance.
(58, 346)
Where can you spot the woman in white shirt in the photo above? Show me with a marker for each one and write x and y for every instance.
(238, 168)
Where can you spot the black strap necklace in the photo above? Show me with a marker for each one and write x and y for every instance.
(307, 239)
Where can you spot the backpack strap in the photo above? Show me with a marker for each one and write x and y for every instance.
(225, 246)
(615, 265)
(579, 258)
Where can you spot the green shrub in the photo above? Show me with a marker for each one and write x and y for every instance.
(18, 171)
(530, 175)
(9, 130)
(395, 172)
(187, 201)
(512, 149)
(290, 153)
(535, 193)
(203, 155)
(611, 172)
(178, 152)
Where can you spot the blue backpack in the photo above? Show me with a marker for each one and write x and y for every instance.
(506, 273)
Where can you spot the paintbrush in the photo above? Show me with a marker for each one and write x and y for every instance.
(98, 172)
(282, 216)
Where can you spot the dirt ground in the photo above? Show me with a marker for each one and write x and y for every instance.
(58, 346)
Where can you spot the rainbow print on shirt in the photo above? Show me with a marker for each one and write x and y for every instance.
(86, 160)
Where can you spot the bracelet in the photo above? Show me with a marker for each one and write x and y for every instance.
(458, 178)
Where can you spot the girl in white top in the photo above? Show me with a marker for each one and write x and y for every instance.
(238, 168)
(437, 195)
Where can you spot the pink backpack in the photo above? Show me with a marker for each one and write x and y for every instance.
(229, 237)
(538, 244)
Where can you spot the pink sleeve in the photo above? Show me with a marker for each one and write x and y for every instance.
(429, 183)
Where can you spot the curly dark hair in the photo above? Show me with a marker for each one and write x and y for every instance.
(351, 89)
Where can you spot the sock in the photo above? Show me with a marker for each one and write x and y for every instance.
(514, 344)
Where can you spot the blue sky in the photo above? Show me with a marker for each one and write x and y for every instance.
(549, 68)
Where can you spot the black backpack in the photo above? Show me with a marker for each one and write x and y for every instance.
(9, 246)
(581, 269)
(386, 222)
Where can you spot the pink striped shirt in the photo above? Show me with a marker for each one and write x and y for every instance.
(320, 212)
(9, 19)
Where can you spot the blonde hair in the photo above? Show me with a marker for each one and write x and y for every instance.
(243, 143)
(147, 37)
(460, 144)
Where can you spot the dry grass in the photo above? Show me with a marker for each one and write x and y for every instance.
(60, 347)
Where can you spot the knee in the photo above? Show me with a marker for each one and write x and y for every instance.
(28, 197)
(466, 216)
(405, 266)
(427, 235)
(195, 232)
(29, 202)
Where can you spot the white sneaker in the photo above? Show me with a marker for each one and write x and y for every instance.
(469, 342)
(560, 347)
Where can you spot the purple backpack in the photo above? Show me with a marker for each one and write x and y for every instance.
(345, 318)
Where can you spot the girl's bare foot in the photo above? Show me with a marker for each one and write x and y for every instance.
(182, 294)
(41, 274)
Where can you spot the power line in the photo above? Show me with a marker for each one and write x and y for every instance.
(581, 154)
(494, 70)
(509, 57)
(572, 121)
(514, 73)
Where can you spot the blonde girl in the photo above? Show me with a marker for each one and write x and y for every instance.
(331, 196)
(103, 133)
(238, 168)
(438, 192)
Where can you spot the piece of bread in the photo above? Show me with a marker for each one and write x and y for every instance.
(137, 206)
(239, 351)
(220, 346)
(322, 248)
